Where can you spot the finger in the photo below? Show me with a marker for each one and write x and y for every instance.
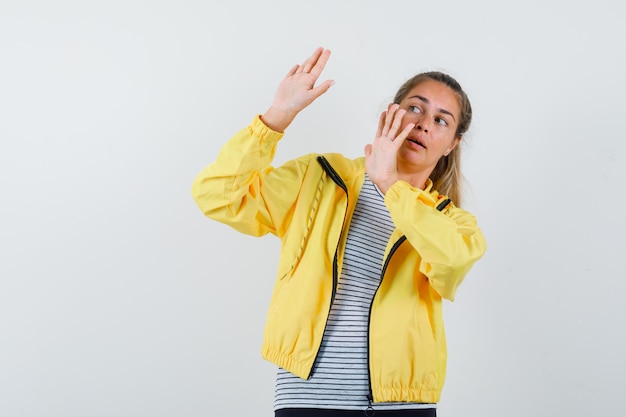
(381, 124)
(397, 122)
(320, 63)
(303, 65)
(292, 70)
(389, 119)
(404, 134)
(308, 64)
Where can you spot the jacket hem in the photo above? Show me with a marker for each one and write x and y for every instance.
(406, 394)
(287, 362)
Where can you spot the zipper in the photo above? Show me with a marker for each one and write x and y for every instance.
(330, 171)
(369, 411)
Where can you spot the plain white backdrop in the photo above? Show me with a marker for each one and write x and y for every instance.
(118, 298)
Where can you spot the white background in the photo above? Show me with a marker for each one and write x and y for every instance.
(118, 298)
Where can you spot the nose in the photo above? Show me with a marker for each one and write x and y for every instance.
(421, 126)
(421, 123)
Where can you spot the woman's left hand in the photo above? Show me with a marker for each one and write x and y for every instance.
(381, 155)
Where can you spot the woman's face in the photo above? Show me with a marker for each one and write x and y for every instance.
(434, 108)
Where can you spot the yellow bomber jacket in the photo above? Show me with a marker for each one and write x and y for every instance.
(308, 203)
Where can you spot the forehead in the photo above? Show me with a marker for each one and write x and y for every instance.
(438, 95)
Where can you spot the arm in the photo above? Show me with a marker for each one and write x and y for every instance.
(241, 188)
(230, 189)
(448, 242)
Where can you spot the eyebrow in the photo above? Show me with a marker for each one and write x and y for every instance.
(425, 100)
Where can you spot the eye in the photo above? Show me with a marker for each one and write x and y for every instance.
(441, 121)
(415, 109)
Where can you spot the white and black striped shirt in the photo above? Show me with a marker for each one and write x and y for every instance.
(339, 379)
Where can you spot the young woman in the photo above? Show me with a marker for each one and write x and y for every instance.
(369, 247)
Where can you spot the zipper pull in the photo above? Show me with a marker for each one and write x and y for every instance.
(369, 411)
(445, 203)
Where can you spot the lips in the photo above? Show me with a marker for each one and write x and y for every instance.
(417, 142)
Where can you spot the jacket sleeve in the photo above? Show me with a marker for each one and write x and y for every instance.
(448, 242)
(241, 188)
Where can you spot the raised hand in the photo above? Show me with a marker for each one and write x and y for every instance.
(297, 90)
(381, 155)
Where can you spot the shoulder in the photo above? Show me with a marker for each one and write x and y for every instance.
(347, 168)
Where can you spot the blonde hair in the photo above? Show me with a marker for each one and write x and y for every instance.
(446, 177)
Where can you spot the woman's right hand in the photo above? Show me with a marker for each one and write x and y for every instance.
(297, 90)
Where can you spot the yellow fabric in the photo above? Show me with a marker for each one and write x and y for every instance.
(301, 204)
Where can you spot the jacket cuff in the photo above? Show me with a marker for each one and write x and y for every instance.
(259, 130)
(399, 188)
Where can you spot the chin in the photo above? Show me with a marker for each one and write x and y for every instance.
(410, 157)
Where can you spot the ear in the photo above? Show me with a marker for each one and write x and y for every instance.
(453, 145)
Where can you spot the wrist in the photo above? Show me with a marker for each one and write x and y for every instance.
(384, 186)
(277, 119)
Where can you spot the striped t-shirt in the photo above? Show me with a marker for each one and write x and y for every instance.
(339, 379)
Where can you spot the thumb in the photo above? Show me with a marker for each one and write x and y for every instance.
(322, 88)
(368, 150)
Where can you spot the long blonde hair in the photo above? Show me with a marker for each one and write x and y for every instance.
(446, 177)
